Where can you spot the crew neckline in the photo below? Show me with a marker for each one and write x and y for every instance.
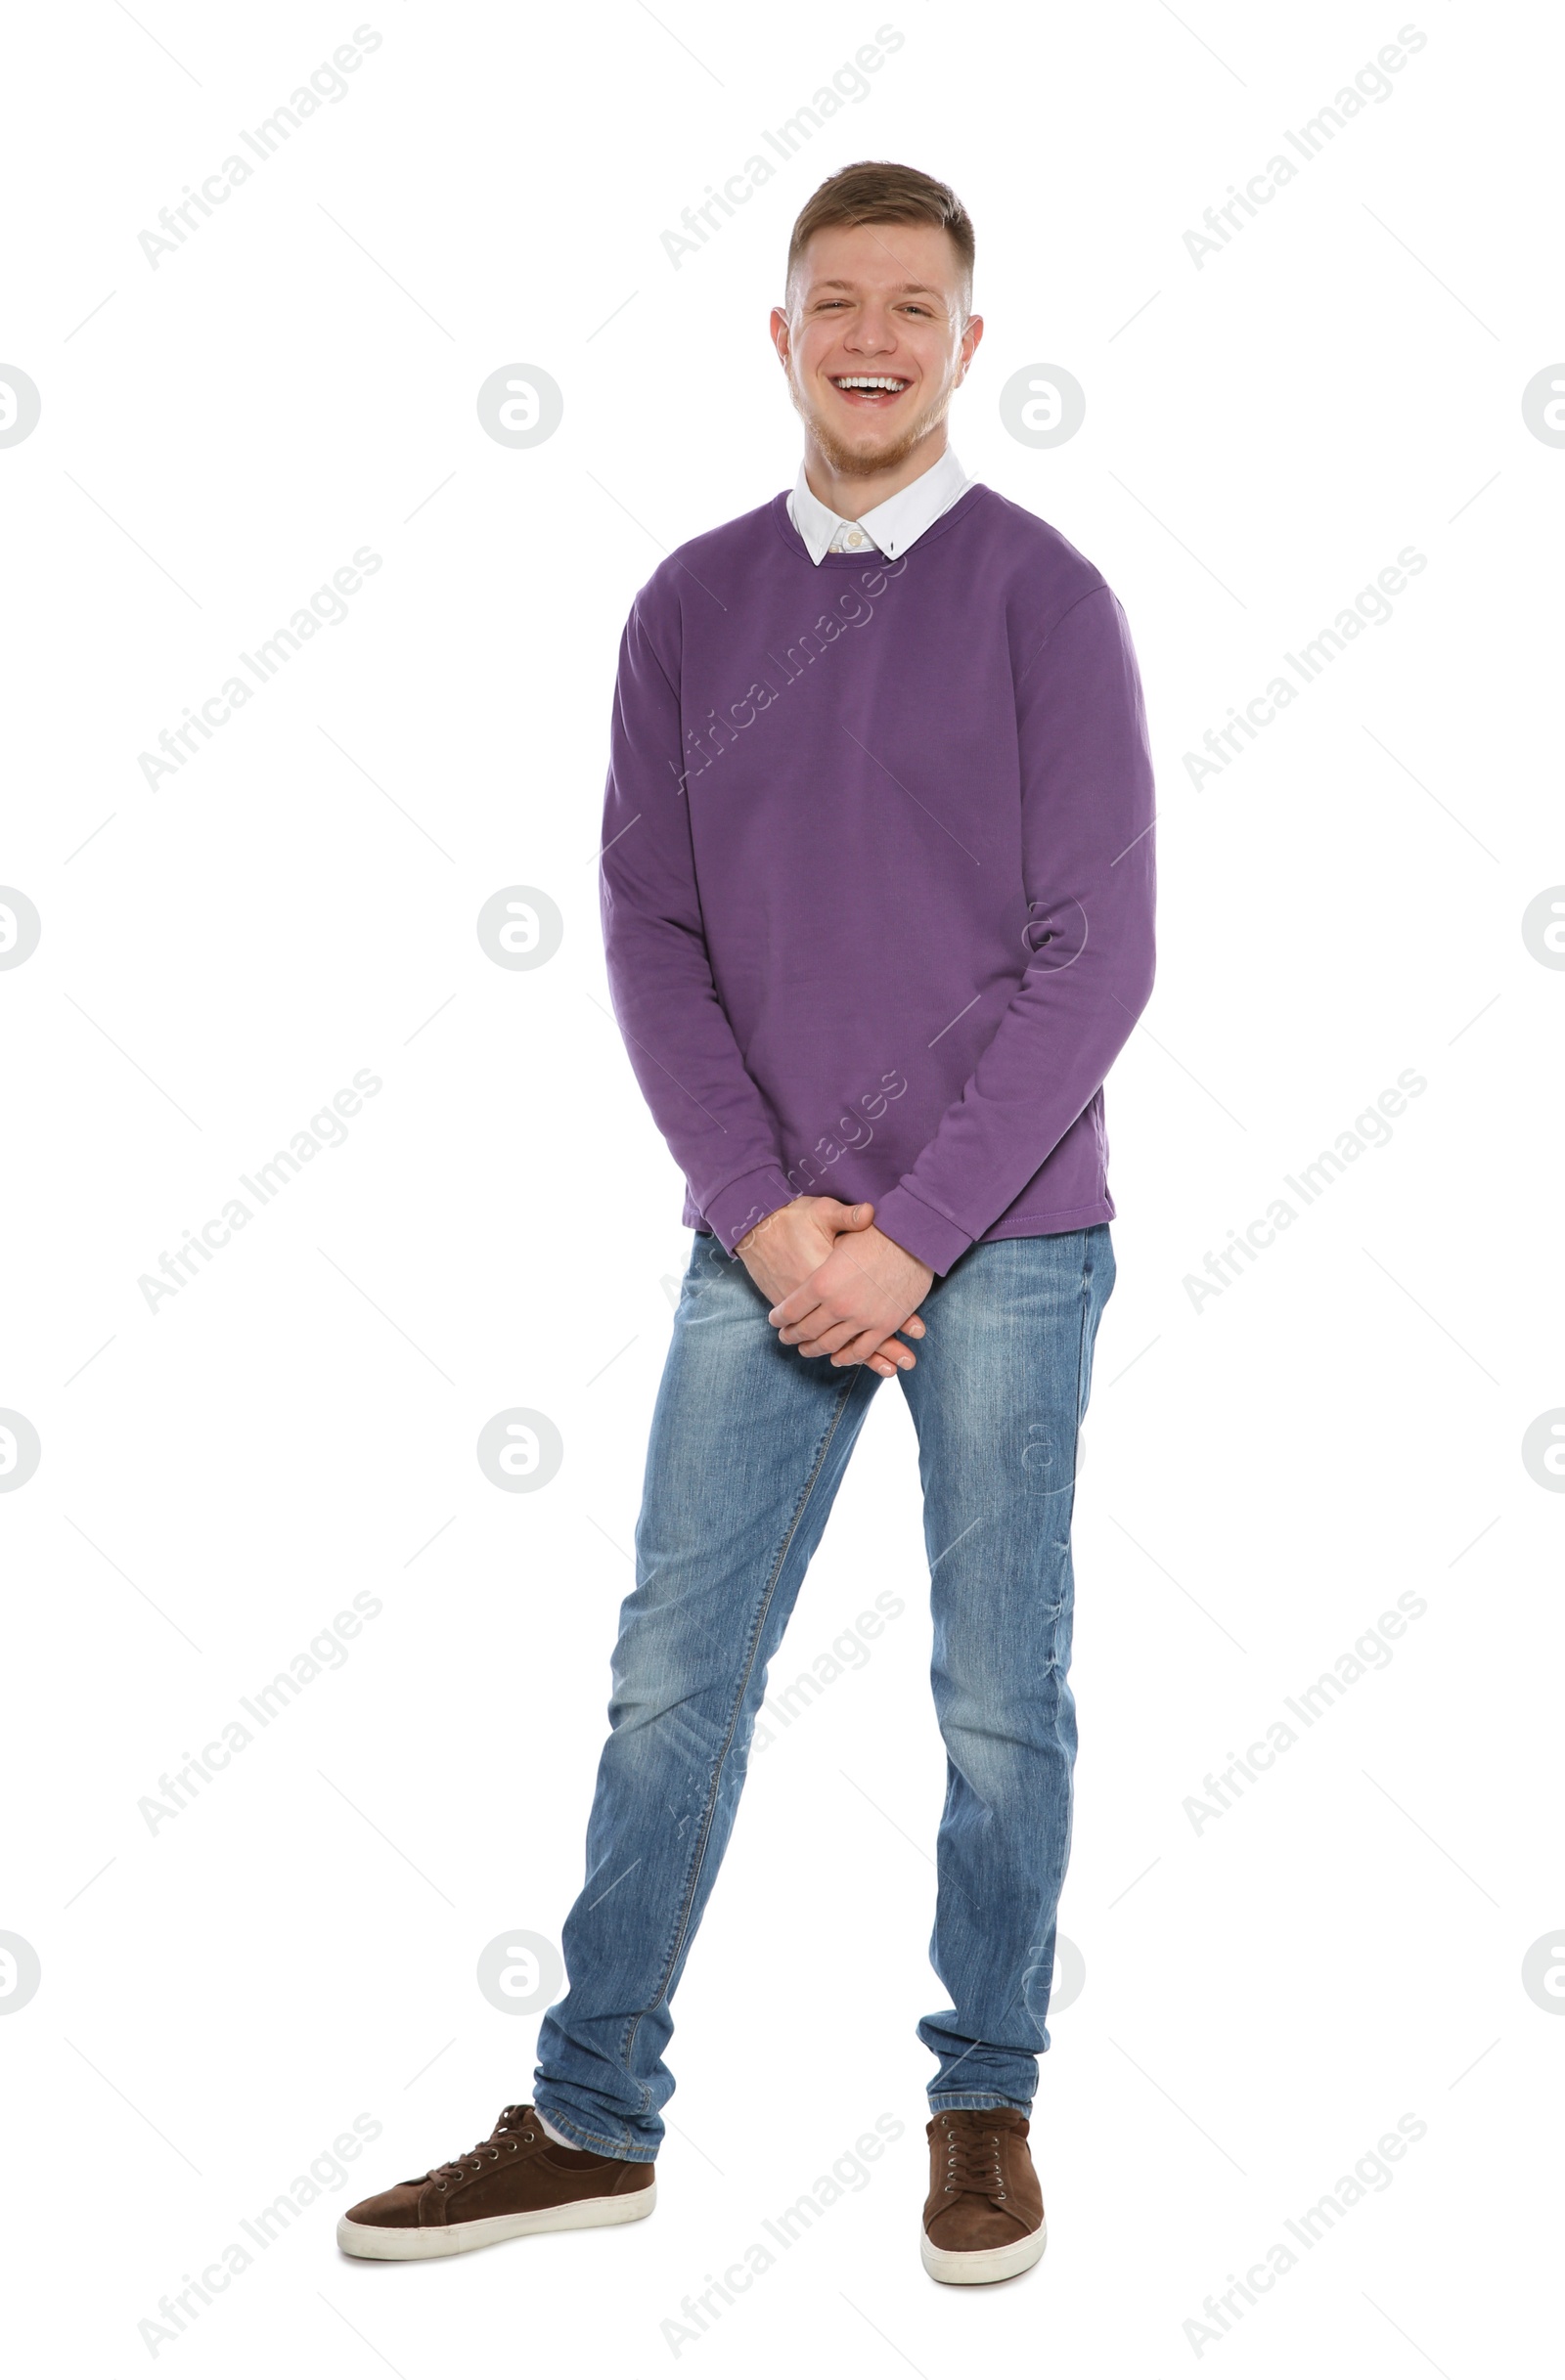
(872, 558)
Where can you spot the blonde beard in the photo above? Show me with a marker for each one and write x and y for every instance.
(850, 462)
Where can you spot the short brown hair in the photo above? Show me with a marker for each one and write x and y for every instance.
(873, 192)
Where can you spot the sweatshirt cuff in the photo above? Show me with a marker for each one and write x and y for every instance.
(921, 1229)
(742, 1204)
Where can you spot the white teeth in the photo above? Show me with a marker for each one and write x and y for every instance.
(870, 380)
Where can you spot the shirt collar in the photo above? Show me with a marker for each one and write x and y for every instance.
(892, 526)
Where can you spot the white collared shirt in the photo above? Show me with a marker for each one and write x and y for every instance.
(889, 528)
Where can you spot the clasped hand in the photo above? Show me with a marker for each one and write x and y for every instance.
(838, 1286)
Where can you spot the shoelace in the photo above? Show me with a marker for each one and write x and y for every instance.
(973, 2154)
(507, 2132)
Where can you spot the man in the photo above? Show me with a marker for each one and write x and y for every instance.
(878, 896)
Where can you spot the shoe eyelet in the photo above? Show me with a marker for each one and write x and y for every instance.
(527, 2136)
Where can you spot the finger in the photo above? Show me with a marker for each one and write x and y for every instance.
(831, 1340)
(799, 1301)
(817, 1319)
(914, 1327)
(838, 1217)
(795, 1306)
(859, 1348)
(833, 1336)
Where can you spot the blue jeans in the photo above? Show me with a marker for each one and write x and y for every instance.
(749, 1442)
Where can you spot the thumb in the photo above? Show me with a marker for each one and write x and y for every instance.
(855, 1218)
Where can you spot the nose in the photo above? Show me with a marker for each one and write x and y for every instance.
(873, 334)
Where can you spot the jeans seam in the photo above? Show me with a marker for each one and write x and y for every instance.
(1071, 1530)
(938, 2101)
(1081, 1367)
(704, 1835)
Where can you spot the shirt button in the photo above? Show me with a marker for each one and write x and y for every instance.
(855, 537)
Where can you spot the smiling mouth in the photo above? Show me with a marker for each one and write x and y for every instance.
(868, 391)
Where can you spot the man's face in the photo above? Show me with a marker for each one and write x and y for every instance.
(875, 340)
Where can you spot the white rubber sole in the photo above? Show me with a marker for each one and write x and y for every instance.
(395, 2246)
(982, 2263)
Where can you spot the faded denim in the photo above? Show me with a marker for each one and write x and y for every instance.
(749, 1443)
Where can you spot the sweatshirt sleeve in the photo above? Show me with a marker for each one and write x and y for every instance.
(680, 1042)
(1089, 878)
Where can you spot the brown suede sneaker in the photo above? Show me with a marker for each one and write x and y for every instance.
(983, 2219)
(517, 2181)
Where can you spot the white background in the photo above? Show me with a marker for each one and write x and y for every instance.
(1264, 1998)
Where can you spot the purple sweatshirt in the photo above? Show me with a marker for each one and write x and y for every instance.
(878, 875)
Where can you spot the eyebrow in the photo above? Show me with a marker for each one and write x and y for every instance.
(905, 288)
